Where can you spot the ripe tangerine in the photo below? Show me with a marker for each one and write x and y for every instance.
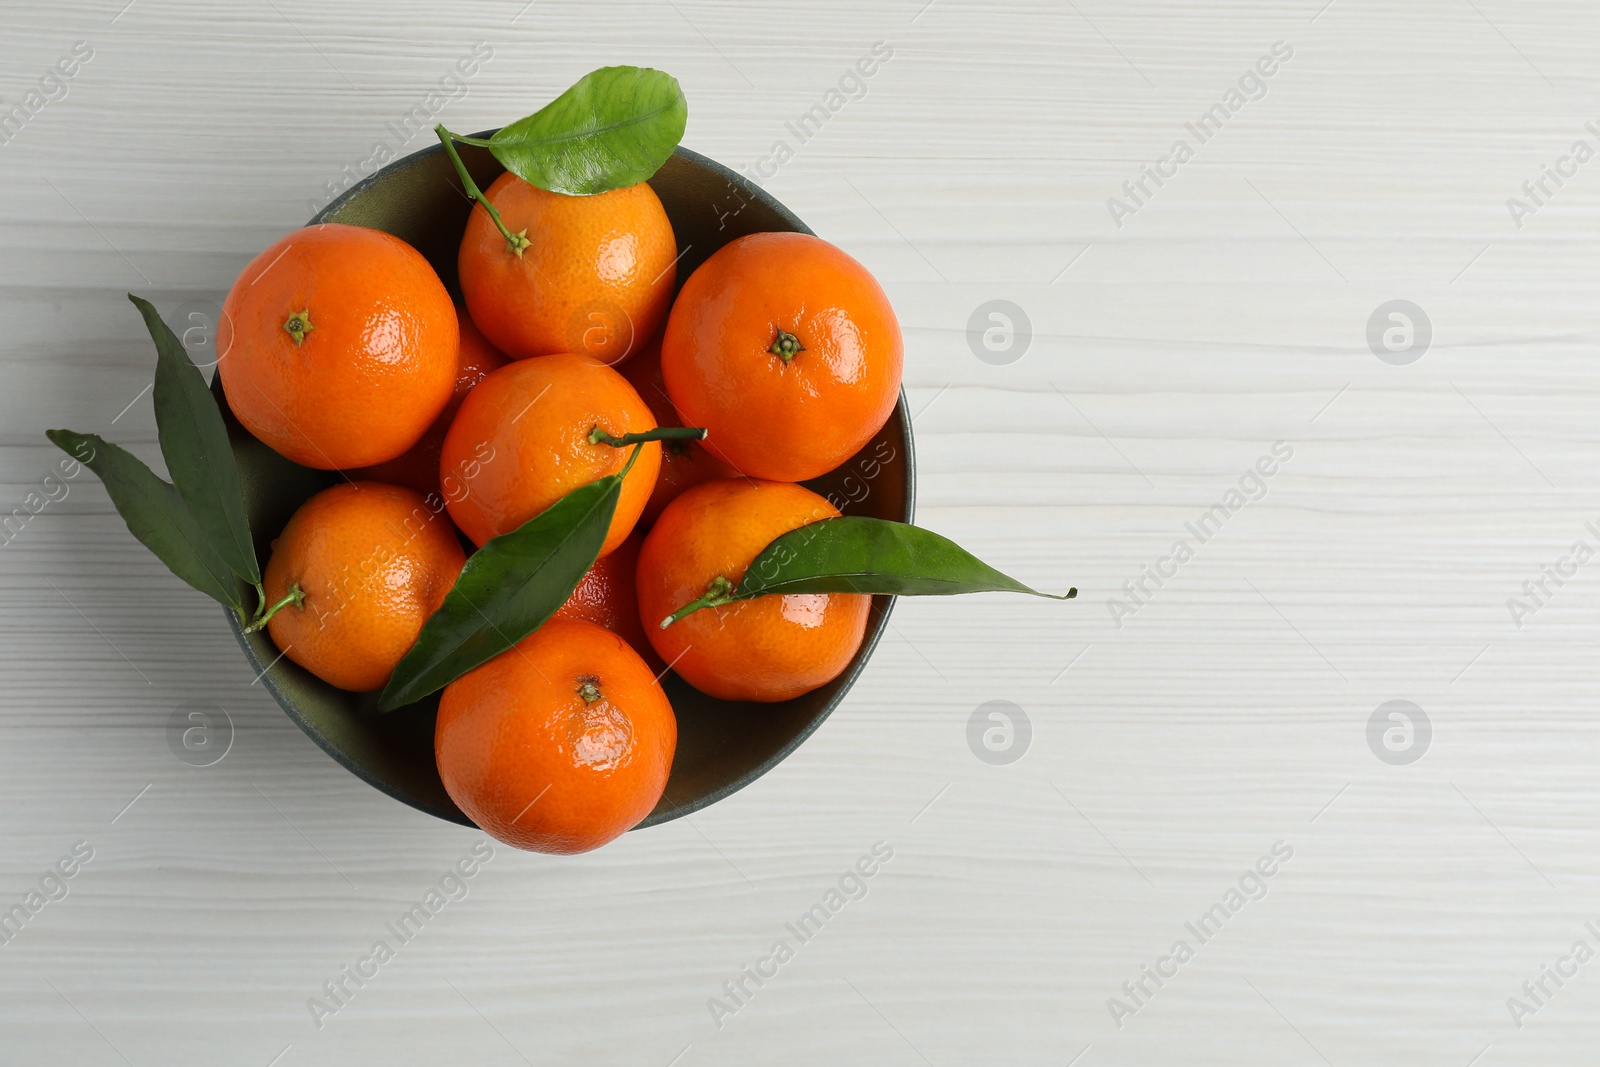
(371, 563)
(787, 351)
(683, 463)
(338, 346)
(767, 648)
(608, 596)
(595, 275)
(418, 467)
(522, 441)
(559, 744)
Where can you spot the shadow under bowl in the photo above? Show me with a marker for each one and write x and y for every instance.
(723, 746)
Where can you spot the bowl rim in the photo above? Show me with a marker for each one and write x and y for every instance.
(878, 620)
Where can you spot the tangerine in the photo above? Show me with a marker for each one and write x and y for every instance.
(594, 274)
(418, 467)
(683, 462)
(767, 648)
(522, 440)
(338, 346)
(607, 595)
(361, 566)
(787, 351)
(559, 744)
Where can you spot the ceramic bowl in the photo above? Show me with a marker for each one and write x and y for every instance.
(723, 746)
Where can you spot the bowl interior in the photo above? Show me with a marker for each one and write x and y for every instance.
(722, 745)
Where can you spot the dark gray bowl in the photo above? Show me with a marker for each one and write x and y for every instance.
(723, 746)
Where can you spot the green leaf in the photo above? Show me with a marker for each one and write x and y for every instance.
(853, 554)
(155, 513)
(194, 443)
(614, 128)
(507, 590)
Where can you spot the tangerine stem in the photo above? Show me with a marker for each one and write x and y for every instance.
(628, 466)
(786, 345)
(295, 596)
(598, 436)
(719, 592)
(515, 242)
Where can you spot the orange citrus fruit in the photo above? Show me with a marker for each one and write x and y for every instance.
(521, 442)
(787, 351)
(338, 346)
(683, 463)
(372, 562)
(418, 467)
(596, 275)
(558, 744)
(608, 596)
(768, 648)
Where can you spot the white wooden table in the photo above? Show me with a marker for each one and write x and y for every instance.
(1165, 756)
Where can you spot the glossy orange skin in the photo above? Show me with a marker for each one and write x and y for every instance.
(608, 596)
(597, 277)
(418, 467)
(521, 442)
(683, 463)
(767, 418)
(374, 562)
(538, 768)
(375, 369)
(769, 648)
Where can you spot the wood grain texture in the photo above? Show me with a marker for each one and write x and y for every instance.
(1229, 713)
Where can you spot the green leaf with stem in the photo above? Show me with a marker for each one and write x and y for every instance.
(855, 554)
(614, 128)
(156, 514)
(508, 589)
(194, 442)
(515, 242)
